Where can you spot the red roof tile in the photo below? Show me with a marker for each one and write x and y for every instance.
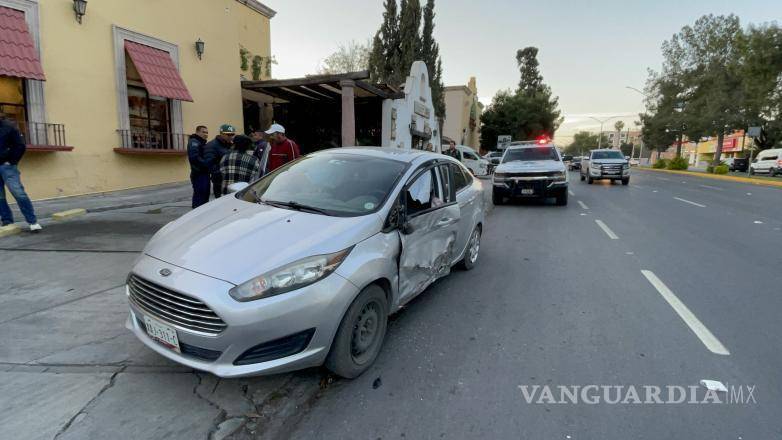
(158, 72)
(18, 56)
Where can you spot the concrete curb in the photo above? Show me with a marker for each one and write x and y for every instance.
(64, 215)
(8, 230)
(718, 177)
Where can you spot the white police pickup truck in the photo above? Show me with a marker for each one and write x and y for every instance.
(531, 169)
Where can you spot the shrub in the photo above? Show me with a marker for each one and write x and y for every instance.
(660, 164)
(709, 169)
(721, 169)
(678, 163)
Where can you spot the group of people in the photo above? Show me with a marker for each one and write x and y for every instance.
(230, 158)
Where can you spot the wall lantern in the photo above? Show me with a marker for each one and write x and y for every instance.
(199, 46)
(80, 8)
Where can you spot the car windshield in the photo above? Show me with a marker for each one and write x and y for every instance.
(597, 155)
(336, 184)
(531, 153)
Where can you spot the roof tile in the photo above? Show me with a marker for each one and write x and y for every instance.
(18, 55)
(158, 72)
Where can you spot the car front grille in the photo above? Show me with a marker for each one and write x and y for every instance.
(535, 174)
(611, 168)
(173, 307)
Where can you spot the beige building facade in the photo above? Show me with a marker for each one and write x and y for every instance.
(125, 84)
(463, 115)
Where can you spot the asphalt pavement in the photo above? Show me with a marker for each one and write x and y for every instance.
(666, 282)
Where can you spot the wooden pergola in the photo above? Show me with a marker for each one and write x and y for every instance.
(344, 88)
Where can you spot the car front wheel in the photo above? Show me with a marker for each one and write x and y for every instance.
(562, 197)
(497, 198)
(360, 334)
(626, 181)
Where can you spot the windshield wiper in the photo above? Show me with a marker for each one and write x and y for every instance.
(295, 205)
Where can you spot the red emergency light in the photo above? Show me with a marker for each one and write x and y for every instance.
(543, 139)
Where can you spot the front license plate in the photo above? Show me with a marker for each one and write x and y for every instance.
(164, 334)
(527, 191)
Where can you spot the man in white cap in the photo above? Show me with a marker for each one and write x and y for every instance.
(282, 150)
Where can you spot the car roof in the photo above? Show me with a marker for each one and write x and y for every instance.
(398, 154)
(528, 144)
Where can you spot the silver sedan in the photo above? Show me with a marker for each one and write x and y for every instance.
(303, 267)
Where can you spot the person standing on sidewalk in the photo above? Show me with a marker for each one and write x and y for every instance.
(282, 149)
(260, 146)
(452, 151)
(214, 151)
(199, 169)
(12, 149)
(240, 164)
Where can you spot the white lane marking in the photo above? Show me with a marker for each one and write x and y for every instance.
(571, 193)
(758, 222)
(663, 178)
(691, 203)
(684, 181)
(654, 191)
(711, 187)
(607, 230)
(714, 385)
(582, 214)
(638, 186)
(749, 194)
(707, 337)
(583, 205)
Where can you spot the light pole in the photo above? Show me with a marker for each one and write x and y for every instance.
(603, 121)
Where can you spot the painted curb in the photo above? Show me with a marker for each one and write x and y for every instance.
(5, 231)
(63, 215)
(717, 177)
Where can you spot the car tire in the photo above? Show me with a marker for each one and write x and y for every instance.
(772, 172)
(497, 198)
(562, 197)
(582, 177)
(360, 334)
(473, 247)
(626, 181)
(589, 179)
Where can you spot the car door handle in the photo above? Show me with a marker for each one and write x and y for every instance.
(446, 221)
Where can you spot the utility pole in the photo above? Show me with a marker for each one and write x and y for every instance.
(603, 121)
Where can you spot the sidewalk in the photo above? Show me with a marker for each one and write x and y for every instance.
(755, 180)
(148, 195)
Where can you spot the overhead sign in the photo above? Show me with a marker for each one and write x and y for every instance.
(754, 132)
(503, 140)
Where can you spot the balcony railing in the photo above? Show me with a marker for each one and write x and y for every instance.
(40, 134)
(154, 141)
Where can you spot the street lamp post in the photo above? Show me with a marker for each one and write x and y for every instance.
(603, 121)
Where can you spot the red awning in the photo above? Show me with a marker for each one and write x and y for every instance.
(18, 56)
(158, 72)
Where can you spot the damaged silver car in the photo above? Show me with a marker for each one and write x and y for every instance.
(302, 267)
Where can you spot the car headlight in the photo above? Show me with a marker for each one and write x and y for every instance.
(292, 276)
(594, 165)
(626, 166)
(559, 176)
(500, 176)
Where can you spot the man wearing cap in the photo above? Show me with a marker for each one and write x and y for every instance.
(282, 150)
(214, 151)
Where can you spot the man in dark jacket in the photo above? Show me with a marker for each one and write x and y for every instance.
(199, 169)
(214, 151)
(12, 149)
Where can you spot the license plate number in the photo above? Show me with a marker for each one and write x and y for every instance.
(162, 333)
(527, 191)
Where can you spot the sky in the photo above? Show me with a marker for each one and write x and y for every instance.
(589, 51)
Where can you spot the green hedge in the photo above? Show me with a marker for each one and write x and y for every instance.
(678, 163)
(721, 169)
(660, 164)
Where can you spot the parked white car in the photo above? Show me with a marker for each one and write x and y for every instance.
(767, 162)
(476, 164)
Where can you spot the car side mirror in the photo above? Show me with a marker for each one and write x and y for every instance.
(407, 228)
(236, 187)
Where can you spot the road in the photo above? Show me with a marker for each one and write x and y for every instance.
(666, 282)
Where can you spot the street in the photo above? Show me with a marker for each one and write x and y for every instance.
(558, 298)
(556, 301)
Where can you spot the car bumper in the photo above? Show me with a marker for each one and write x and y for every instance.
(599, 175)
(317, 308)
(520, 187)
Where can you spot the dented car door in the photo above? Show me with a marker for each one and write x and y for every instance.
(428, 234)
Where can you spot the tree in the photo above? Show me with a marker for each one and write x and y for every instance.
(525, 114)
(583, 141)
(619, 126)
(761, 68)
(350, 57)
(531, 81)
(400, 41)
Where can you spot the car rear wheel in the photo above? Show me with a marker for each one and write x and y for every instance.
(473, 246)
(626, 181)
(360, 334)
(582, 177)
(772, 172)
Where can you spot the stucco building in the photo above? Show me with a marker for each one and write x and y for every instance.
(463, 114)
(106, 99)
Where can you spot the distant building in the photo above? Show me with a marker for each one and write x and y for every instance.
(624, 137)
(463, 115)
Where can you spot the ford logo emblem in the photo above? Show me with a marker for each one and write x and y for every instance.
(165, 272)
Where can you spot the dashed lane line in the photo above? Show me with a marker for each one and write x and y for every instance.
(607, 230)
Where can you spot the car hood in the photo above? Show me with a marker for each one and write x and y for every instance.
(530, 166)
(233, 240)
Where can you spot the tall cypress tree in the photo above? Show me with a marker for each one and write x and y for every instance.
(531, 80)
(385, 47)
(430, 54)
(410, 34)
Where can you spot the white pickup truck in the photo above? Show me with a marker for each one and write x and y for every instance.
(605, 164)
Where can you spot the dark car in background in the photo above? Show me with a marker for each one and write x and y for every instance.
(738, 164)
